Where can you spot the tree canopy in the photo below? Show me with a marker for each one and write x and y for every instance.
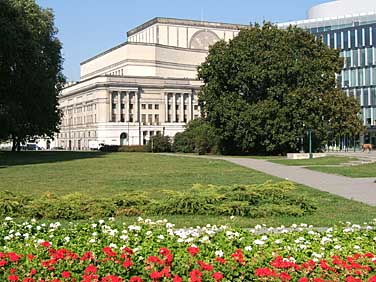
(265, 88)
(30, 71)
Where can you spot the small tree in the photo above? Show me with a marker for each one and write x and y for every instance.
(159, 143)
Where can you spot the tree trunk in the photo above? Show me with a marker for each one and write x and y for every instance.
(14, 143)
(18, 145)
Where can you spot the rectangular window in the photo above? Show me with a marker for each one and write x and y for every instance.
(358, 95)
(362, 57)
(345, 40)
(367, 37)
(156, 106)
(374, 76)
(374, 36)
(169, 118)
(360, 37)
(143, 119)
(352, 38)
(130, 118)
(169, 107)
(150, 106)
(365, 97)
(113, 119)
(369, 56)
(373, 96)
(150, 119)
(332, 40)
(143, 106)
(339, 40)
(348, 61)
(177, 107)
(113, 106)
(361, 77)
(196, 107)
(353, 78)
(355, 58)
(368, 77)
(156, 118)
(122, 119)
(122, 106)
(131, 106)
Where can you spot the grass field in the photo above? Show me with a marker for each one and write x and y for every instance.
(101, 174)
(315, 162)
(359, 171)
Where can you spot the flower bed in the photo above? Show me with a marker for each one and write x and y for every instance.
(156, 251)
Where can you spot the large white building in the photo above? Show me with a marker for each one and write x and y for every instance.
(145, 86)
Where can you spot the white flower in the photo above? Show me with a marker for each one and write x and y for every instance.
(94, 225)
(219, 253)
(111, 219)
(258, 242)
(8, 218)
(278, 241)
(112, 245)
(101, 221)
(248, 248)
(66, 239)
(161, 237)
(92, 241)
(356, 247)
(337, 247)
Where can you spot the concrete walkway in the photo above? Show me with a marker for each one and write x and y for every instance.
(358, 189)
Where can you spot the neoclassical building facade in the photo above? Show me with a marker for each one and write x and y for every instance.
(143, 87)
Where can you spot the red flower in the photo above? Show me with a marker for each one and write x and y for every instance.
(177, 279)
(217, 276)
(303, 279)
(127, 263)
(30, 257)
(45, 244)
(135, 279)
(109, 252)
(13, 277)
(220, 260)
(33, 271)
(65, 274)
(90, 269)
(193, 251)
(13, 257)
(372, 279)
(265, 272)
(205, 266)
(156, 275)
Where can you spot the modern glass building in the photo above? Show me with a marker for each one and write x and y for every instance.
(350, 26)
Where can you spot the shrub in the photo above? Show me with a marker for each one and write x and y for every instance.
(110, 148)
(133, 149)
(159, 143)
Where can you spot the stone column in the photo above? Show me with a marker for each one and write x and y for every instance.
(110, 106)
(173, 106)
(166, 107)
(137, 105)
(182, 107)
(126, 107)
(118, 106)
(190, 116)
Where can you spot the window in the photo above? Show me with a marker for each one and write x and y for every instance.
(367, 38)
(177, 107)
(360, 37)
(374, 35)
(365, 97)
(355, 58)
(169, 118)
(130, 118)
(156, 106)
(150, 119)
(368, 76)
(369, 56)
(143, 106)
(169, 107)
(362, 57)
(196, 107)
(131, 106)
(150, 106)
(113, 119)
(143, 119)
(122, 106)
(122, 118)
(177, 118)
(345, 40)
(339, 40)
(113, 106)
(361, 77)
(352, 38)
(156, 118)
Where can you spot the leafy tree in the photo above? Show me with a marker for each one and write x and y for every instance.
(199, 137)
(30, 71)
(264, 89)
(159, 143)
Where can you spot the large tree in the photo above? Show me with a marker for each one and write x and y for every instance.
(267, 87)
(30, 71)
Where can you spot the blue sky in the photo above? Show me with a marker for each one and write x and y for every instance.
(87, 27)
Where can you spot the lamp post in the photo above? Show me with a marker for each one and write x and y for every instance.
(310, 143)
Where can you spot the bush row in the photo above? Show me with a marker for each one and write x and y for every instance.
(268, 199)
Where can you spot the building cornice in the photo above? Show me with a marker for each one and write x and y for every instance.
(185, 22)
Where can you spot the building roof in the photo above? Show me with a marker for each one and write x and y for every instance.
(185, 22)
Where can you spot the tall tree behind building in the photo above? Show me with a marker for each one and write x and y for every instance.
(30, 71)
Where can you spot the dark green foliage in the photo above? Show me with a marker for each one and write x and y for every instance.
(268, 199)
(30, 71)
(199, 137)
(110, 148)
(265, 88)
(158, 144)
(132, 149)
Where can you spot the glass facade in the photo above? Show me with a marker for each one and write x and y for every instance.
(356, 40)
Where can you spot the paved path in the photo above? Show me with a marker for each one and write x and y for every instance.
(358, 189)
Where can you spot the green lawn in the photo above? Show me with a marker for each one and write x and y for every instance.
(100, 175)
(359, 171)
(315, 162)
